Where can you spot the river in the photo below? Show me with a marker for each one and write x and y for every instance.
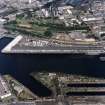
(21, 65)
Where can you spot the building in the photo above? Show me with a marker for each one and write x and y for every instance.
(4, 89)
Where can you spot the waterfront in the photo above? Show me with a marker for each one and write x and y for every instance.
(21, 65)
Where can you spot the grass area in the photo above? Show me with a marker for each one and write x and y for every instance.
(40, 27)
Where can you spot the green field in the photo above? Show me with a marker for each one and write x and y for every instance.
(40, 27)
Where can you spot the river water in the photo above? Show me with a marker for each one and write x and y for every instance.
(21, 65)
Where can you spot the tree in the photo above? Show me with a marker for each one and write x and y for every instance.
(48, 33)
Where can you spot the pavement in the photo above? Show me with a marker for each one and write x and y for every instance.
(26, 45)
